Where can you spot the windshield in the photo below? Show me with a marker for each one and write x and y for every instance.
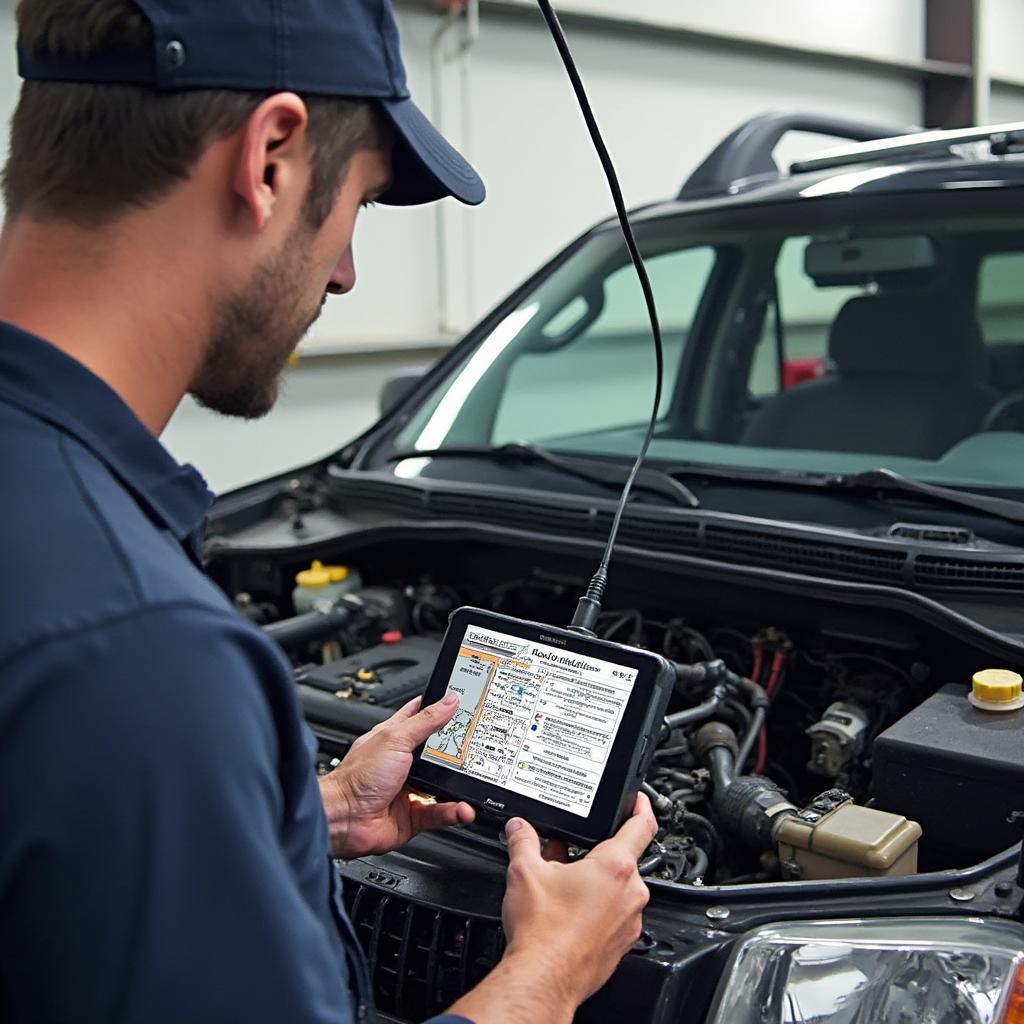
(818, 347)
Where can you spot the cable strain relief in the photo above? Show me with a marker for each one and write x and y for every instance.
(597, 585)
(585, 618)
(589, 606)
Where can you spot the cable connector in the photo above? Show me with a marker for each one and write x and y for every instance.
(589, 606)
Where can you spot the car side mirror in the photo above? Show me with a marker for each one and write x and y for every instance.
(397, 387)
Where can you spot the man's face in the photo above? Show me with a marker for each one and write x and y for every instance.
(257, 328)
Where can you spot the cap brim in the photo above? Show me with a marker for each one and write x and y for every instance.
(424, 166)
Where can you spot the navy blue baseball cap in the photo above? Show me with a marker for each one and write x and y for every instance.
(322, 47)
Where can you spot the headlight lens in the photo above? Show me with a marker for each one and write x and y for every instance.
(894, 971)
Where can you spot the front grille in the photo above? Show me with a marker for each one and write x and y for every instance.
(421, 959)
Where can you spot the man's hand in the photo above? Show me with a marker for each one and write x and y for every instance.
(369, 808)
(568, 925)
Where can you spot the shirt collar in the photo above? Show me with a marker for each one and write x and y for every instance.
(44, 382)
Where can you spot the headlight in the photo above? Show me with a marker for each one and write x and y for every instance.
(897, 971)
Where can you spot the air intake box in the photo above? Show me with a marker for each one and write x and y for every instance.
(956, 770)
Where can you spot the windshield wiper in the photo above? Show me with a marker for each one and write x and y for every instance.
(881, 481)
(885, 481)
(593, 471)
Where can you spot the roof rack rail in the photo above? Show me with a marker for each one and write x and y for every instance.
(917, 146)
(747, 152)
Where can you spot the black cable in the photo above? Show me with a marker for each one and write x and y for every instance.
(590, 605)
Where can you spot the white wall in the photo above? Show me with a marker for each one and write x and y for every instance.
(1003, 28)
(1005, 105)
(881, 28)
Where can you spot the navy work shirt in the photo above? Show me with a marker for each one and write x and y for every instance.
(163, 847)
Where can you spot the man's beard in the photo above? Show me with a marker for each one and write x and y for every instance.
(254, 333)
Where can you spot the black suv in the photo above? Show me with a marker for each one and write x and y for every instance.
(826, 539)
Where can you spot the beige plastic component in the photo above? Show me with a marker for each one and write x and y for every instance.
(850, 842)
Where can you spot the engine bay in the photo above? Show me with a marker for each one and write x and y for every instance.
(775, 762)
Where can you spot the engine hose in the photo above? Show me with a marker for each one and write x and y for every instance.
(679, 794)
(739, 711)
(308, 627)
(650, 863)
(699, 713)
(653, 860)
(659, 802)
(722, 767)
(699, 867)
(750, 738)
(663, 752)
(694, 823)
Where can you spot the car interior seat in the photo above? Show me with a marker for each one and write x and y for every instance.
(909, 380)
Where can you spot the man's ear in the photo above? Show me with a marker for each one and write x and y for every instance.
(272, 155)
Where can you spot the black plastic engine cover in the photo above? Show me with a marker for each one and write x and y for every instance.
(956, 770)
(387, 675)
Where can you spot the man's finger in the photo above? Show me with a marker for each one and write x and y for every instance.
(636, 832)
(408, 710)
(414, 729)
(523, 842)
(429, 816)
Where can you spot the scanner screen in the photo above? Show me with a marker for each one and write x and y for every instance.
(533, 718)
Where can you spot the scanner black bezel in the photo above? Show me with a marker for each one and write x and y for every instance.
(628, 759)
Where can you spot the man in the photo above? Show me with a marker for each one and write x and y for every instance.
(183, 181)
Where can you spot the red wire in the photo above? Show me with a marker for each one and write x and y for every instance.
(778, 664)
(762, 751)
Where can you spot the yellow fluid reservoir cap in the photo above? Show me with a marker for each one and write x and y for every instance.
(997, 689)
(319, 575)
(364, 675)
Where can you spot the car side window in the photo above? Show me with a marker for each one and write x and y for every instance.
(603, 378)
(1001, 317)
(807, 314)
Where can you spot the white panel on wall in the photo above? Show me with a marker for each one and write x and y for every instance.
(1004, 30)
(9, 82)
(892, 29)
(1005, 105)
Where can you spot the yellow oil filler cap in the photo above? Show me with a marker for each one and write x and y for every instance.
(997, 689)
(320, 575)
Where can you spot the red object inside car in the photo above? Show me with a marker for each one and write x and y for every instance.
(796, 371)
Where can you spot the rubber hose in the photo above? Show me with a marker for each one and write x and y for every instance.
(699, 867)
(698, 713)
(693, 822)
(308, 627)
(749, 739)
(650, 864)
(723, 769)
